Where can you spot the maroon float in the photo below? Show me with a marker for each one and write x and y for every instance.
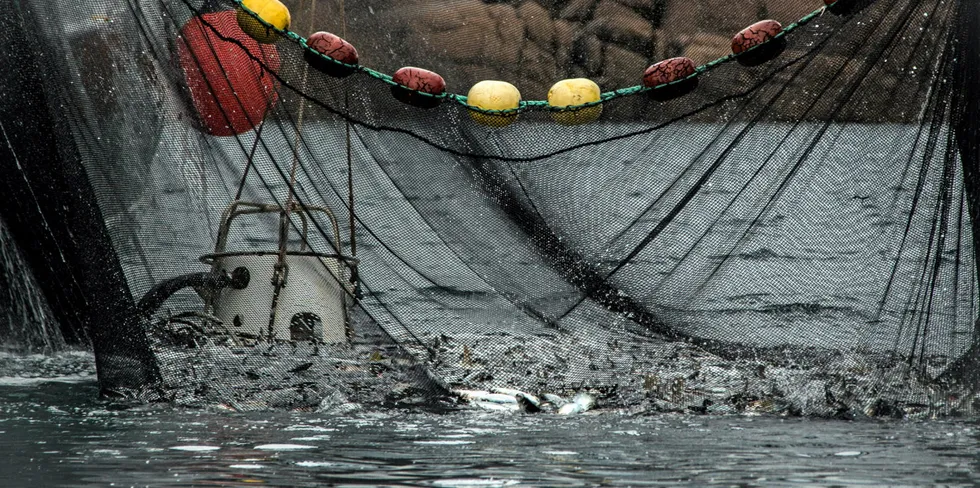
(761, 36)
(331, 46)
(412, 80)
(670, 71)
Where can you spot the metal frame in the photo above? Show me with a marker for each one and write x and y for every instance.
(239, 208)
(232, 212)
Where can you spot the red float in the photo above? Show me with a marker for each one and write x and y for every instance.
(670, 71)
(230, 89)
(334, 47)
(412, 80)
(762, 34)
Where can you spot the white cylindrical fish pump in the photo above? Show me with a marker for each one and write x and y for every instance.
(293, 295)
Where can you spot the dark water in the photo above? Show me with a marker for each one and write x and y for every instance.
(58, 434)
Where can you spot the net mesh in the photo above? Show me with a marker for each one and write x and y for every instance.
(788, 237)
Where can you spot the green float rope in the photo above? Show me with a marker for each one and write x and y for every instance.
(525, 105)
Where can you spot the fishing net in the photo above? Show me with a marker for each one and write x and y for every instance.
(793, 234)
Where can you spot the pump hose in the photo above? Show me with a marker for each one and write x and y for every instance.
(209, 280)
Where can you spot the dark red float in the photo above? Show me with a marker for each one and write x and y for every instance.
(761, 36)
(670, 71)
(412, 80)
(755, 34)
(333, 47)
(230, 89)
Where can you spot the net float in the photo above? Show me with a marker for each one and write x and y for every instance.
(413, 82)
(757, 43)
(674, 72)
(272, 12)
(332, 46)
(572, 92)
(228, 101)
(493, 95)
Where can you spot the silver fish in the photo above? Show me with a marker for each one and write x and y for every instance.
(485, 396)
(581, 403)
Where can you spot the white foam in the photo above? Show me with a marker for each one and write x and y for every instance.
(311, 428)
(315, 464)
(474, 482)
(444, 443)
(283, 447)
(246, 466)
(195, 448)
(848, 453)
(312, 438)
(18, 381)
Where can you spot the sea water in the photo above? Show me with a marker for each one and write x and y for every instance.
(57, 433)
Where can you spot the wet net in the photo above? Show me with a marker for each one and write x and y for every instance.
(788, 230)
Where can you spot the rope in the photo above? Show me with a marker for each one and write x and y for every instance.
(526, 105)
(258, 134)
(248, 162)
(281, 267)
(354, 277)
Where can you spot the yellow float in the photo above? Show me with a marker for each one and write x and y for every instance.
(271, 11)
(571, 92)
(493, 95)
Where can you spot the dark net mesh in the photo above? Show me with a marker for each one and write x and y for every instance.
(794, 236)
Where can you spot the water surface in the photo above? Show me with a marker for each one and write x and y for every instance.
(55, 434)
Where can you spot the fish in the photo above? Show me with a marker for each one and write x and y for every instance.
(485, 396)
(513, 400)
(555, 400)
(518, 394)
(580, 403)
(502, 399)
(301, 367)
(528, 406)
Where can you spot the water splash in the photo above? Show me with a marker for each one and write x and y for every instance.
(26, 321)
